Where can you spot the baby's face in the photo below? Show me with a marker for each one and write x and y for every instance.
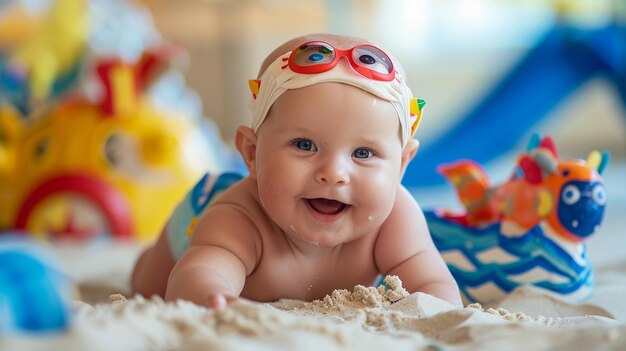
(329, 163)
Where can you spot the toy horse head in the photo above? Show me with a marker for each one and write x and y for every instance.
(573, 189)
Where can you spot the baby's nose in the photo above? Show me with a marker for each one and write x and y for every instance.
(333, 172)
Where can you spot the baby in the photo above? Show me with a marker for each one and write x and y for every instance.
(322, 207)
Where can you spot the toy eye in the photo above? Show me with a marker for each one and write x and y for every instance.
(599, 195)
(41, 148)
(571, 194)
(113, 149)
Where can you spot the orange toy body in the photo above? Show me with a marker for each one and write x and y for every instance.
(530, 196)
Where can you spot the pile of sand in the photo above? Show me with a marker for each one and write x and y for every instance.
(365, 318)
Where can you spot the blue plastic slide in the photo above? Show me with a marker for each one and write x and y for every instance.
(564, 59)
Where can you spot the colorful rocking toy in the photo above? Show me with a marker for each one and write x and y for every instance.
(529, 230)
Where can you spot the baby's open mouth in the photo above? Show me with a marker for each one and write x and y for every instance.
(326, 206)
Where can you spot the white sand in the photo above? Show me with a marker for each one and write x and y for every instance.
(362, 319)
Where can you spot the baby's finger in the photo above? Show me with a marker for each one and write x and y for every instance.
(219, 301)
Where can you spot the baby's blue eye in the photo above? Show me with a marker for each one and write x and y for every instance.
(363, 153)
(304, 144)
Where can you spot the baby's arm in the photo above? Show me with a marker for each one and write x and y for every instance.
(405, 248)
(223, 251)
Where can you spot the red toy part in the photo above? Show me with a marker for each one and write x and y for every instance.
(113, 205)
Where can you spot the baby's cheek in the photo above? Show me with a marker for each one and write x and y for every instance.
(374, 220)
(376, 211)
(381, 208)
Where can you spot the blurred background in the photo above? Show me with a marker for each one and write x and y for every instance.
(488, 69)
(492, 71)
(454, 52)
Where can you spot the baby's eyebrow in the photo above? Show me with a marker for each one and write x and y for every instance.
(299, 130)
(373, 142)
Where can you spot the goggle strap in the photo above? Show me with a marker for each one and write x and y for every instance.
(416, 107)
(421, 103)
(254, 85)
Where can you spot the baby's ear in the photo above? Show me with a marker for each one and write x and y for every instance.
(408, 153)
(245, 141)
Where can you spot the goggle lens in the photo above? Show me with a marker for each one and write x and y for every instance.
(372, 58)
(314, 53)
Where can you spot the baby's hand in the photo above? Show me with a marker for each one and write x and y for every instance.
(218, 301)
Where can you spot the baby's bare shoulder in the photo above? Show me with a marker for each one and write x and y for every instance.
(232, 222)
(405, 214)
(404, 233)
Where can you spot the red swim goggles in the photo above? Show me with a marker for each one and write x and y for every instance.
(318, 56)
